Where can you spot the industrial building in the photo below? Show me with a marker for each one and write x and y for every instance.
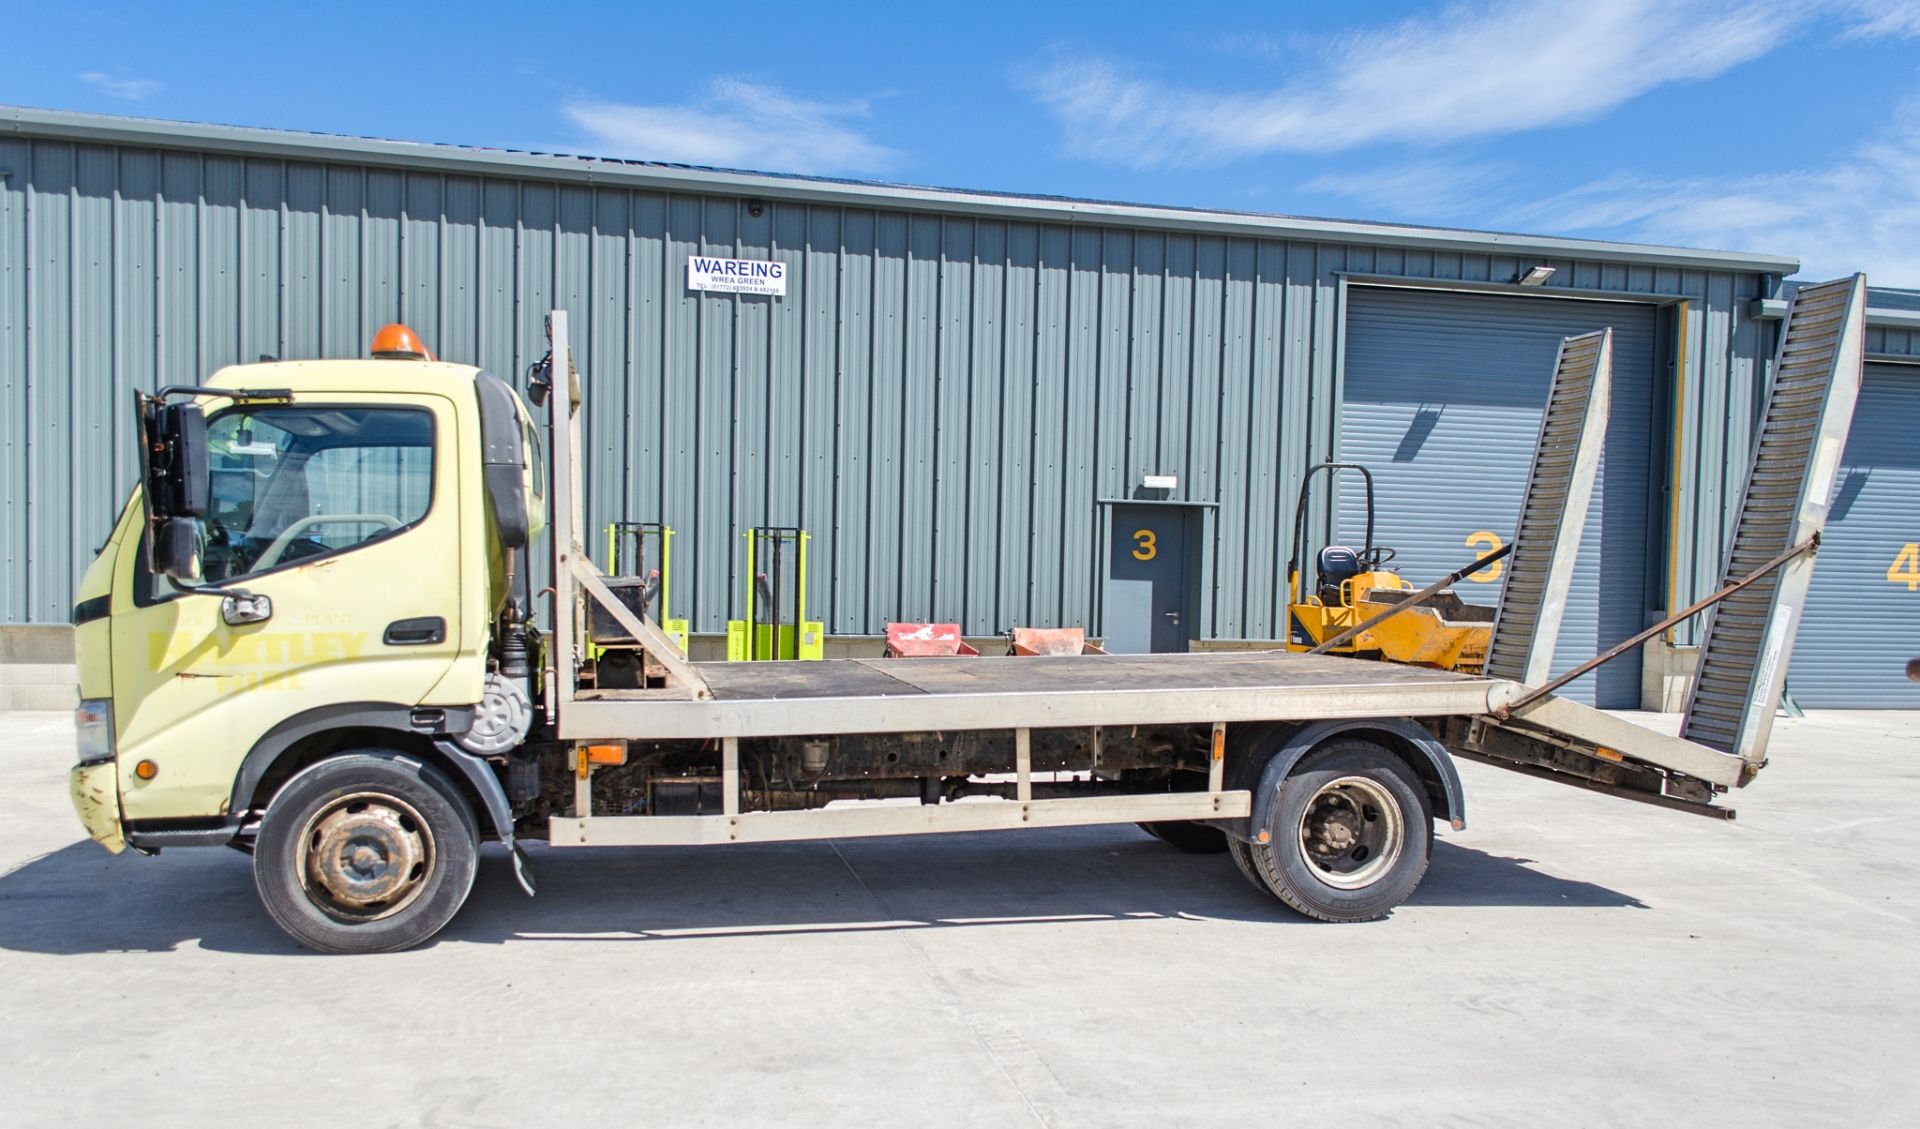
(966, 399)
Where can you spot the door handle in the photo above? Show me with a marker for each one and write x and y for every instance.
(415, 632)
(1174, 616)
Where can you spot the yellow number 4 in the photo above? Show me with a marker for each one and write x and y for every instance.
(1905, 568)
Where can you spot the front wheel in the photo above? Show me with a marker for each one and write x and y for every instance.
(368, 852)
(1349, 833)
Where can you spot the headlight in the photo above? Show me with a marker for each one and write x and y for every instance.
(93, 722)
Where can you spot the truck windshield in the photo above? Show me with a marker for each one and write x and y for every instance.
(293, 483)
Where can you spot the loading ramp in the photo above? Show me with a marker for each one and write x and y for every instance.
(1769, 566)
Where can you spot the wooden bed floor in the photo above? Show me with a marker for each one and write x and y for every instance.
(876, 677)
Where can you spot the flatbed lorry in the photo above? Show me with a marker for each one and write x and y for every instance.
(310, 638)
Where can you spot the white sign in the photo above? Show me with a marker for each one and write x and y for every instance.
(737, 276)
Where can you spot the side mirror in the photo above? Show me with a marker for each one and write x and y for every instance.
(175, 470)
(176, 549)
(540, 383)
(175, 479)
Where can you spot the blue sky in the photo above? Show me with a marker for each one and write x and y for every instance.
(1787, 128)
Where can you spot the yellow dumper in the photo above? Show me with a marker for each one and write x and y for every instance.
(1352, 586)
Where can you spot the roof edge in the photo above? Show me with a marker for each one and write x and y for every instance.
(321, 147)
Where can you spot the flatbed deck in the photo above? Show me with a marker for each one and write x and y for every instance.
(1059, 674)
(874, 695)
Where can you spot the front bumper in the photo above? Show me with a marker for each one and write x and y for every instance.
(96, 799)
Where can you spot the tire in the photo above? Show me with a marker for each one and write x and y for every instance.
(370, 851)
(1188, 836)
(1352, 833)
(1242, 852)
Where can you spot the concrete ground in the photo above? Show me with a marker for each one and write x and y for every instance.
(1570, 960)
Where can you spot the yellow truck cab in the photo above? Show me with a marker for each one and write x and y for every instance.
(321, 560)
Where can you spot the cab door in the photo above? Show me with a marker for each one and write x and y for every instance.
(345, 515)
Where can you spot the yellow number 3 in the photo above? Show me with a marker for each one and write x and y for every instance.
(1486, 541)
(1905, 568)
(1144, 541)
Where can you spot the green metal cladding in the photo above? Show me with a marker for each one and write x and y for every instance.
(950, 382)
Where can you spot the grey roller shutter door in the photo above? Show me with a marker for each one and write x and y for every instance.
(1862, 625)
(1442, 400)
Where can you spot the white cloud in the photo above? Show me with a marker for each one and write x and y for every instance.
(1491, 68)
(1859, 213)
(1878, 19)
(127, 89)
(739, 125)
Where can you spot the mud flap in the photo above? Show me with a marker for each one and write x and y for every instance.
(486, 782)
(521, 870)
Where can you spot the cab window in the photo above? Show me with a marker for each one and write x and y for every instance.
(536, 460)
(290, 484)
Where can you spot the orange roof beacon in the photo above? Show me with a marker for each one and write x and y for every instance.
(396, 342)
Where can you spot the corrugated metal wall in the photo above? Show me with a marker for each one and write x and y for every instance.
(1891, 341)
(939, 399)
(1900, 341)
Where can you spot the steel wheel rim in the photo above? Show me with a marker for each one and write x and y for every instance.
(1351, 832)
(365, 856)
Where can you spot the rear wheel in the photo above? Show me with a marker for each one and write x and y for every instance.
(368, 852)
(1242, 852)
(1350, 831)
(1186, 835)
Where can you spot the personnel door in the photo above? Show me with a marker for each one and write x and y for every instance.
(1146, 584)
